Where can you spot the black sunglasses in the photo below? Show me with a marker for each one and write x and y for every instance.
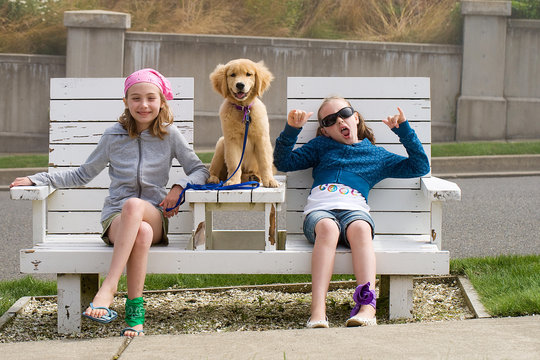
(331, 119)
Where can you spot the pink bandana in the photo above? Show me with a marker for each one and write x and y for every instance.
(150, 76)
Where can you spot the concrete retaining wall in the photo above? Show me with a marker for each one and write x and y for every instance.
(522, 79)
(197, 55)
(24, 100)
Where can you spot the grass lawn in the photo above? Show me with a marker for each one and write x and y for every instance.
(439, 149)
(13, 290)
(206, 157)
(485, 148)
(24, 161)
(507, 285)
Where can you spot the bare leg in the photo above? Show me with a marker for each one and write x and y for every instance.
(132, 233)
(322, 265)
(363, 256)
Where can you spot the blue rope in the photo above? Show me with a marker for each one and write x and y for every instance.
(220, 185)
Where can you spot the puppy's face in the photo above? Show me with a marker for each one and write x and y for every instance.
(241, 80)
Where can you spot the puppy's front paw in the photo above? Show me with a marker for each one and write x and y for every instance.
(271, 183)
(212, 180)
(232, 182)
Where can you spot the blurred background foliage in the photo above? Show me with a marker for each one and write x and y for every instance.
(36, 26)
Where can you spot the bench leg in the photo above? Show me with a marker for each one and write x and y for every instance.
(270, 226)
(69, 303)
(75, 291)
(209, 229)
(436, 223)
(200, 234)
(400, 296)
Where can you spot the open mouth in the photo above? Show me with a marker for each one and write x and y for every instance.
(240, 95)
(345, 131)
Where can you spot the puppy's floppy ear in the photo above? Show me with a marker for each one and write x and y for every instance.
(262, 78)
(218, 78)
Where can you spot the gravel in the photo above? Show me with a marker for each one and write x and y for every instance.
(235, 309)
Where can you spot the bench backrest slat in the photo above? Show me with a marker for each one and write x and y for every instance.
(102, 179)
(80, 111)
(398, 206)
(109, 88)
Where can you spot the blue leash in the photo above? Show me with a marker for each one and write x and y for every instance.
(220, 185)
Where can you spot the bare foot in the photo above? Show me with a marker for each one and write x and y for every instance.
(103, 298)
(366, 311)
(365, 317)
(318, 316)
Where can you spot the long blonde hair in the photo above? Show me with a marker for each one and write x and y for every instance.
(158, 126)
(363, 130)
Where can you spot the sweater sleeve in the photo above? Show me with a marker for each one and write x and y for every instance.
(196, 171)
(286, 158)
(417, 162)
(94, 164)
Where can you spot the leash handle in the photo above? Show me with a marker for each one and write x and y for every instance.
(220, 185)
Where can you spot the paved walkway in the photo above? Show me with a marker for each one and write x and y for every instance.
(501, 338)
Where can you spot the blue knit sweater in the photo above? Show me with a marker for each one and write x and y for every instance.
(359, 166)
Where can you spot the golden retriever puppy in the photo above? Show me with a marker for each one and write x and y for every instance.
(241, 82)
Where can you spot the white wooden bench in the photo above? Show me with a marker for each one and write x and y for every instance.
(66, 223)
(407, 212)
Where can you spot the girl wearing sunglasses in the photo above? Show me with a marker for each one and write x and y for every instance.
(346, 165)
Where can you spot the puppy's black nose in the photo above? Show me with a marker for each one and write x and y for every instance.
(240, 86)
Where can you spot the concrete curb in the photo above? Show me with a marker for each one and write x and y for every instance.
(487, 174)
(472, 298)
(13, 310)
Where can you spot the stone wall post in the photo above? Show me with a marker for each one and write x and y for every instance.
(481, 108)
(95, 43)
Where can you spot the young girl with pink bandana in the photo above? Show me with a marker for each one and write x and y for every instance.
(139, 150)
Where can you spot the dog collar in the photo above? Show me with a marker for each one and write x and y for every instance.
(242, 108)
(245, 109)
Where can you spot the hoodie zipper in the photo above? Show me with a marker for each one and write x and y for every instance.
(139, 166)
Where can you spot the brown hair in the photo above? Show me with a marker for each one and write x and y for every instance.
(363, 130)
(158, 126)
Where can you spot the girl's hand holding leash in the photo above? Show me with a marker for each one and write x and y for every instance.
(394, 121)
(297, 118)
(21, 181)
(170, 201)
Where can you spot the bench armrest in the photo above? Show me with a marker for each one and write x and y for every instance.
(30, 192)
(436, 189)
(38, 195)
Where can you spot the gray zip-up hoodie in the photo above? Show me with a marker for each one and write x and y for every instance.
(138, 167)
